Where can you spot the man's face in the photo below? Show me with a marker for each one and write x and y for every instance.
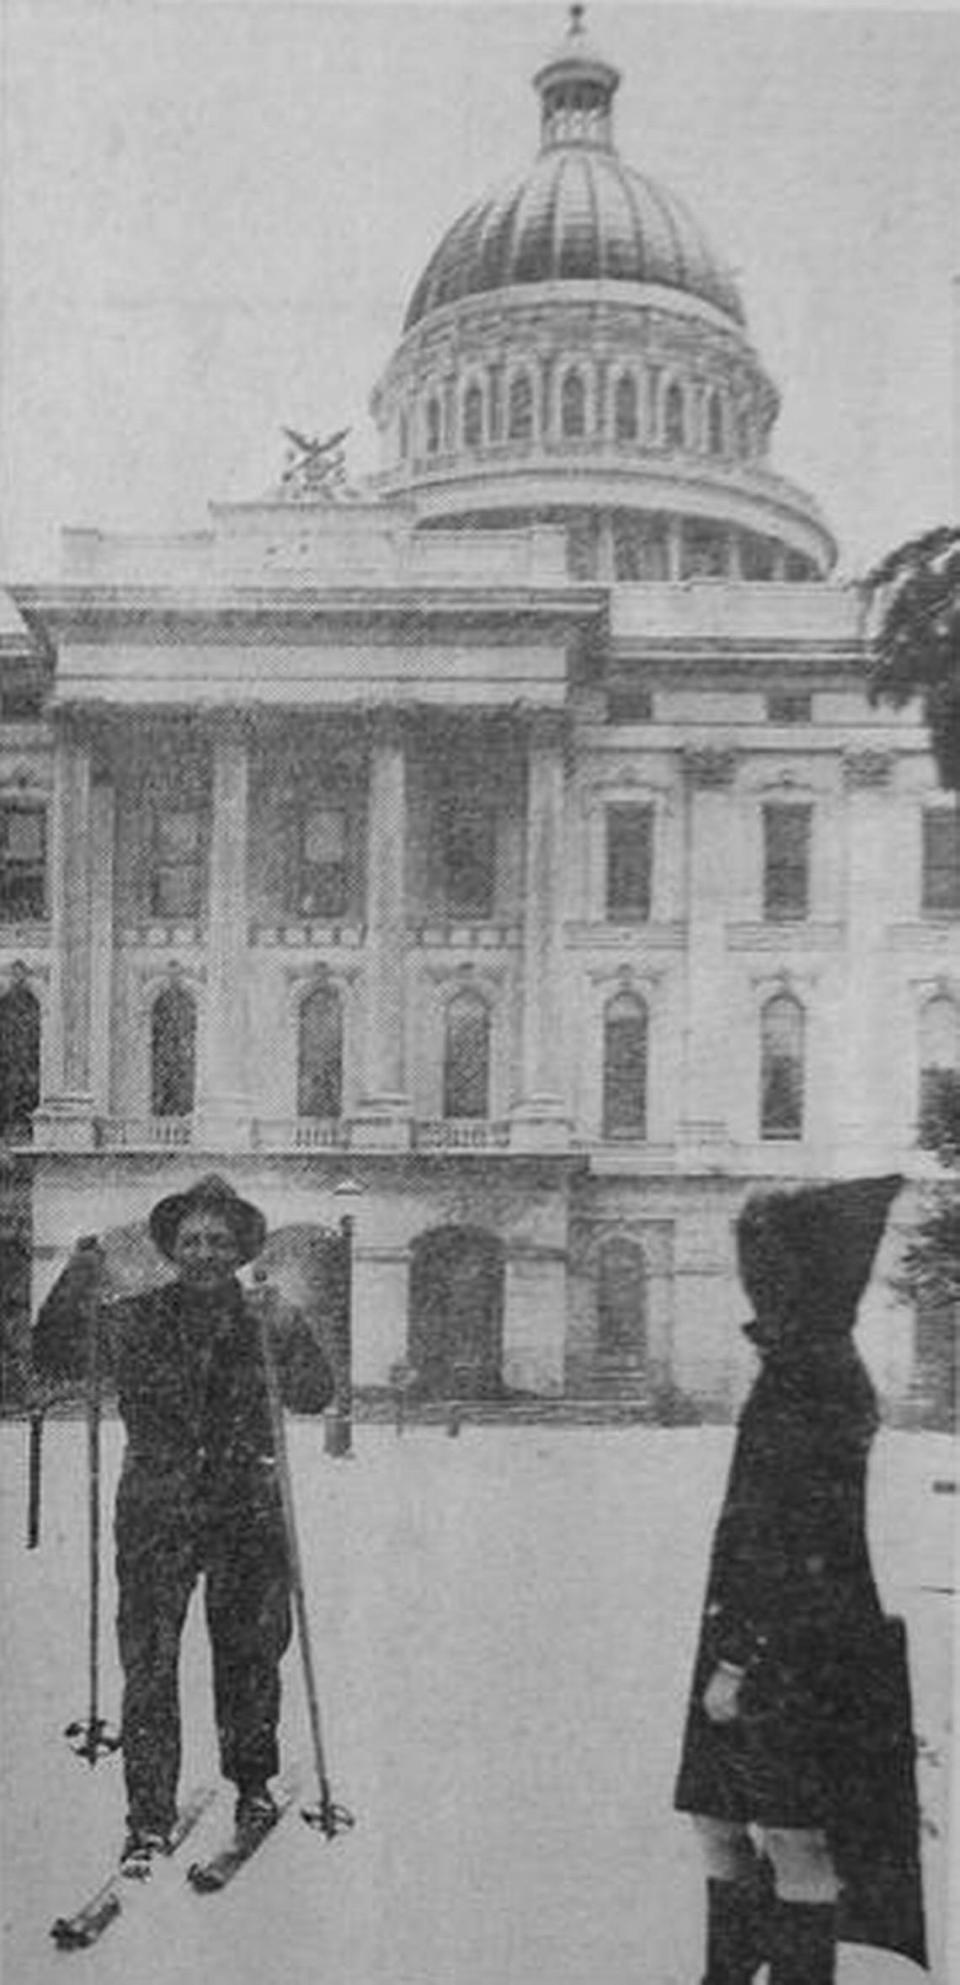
(205, 1251)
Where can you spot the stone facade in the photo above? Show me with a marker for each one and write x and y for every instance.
(602, 1232)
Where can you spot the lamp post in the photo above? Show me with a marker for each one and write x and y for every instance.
(339, 1429)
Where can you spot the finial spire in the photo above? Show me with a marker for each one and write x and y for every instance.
(577, 12)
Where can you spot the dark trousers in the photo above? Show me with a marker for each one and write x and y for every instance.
(248, 1619)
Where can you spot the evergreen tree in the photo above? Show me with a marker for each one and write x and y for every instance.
(912, 611)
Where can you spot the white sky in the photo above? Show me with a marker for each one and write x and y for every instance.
(215, 211)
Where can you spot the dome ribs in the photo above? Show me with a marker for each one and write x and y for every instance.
(576, 237)
(579, 214)
(530, 242)
(617, 236)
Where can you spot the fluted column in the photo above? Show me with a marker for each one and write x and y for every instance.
(223, 1100)
(542, 1085)
(709, 774)
(384, 1059)
(66, 1110)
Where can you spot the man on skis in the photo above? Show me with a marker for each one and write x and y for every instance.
(198, 1495)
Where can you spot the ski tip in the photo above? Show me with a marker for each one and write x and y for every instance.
(72, 1933)
(207, 1878)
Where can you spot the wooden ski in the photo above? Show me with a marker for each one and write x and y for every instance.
(87, 1924)
(211, 1876)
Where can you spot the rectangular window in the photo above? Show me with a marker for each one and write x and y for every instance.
(629, 862)
(941, 861)
(176, 881)
(629, 705)
(789, 706)
(320, 883)
(23, 834)
(786, 862)
(467, 846)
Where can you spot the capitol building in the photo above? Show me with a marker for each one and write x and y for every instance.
(509, 835)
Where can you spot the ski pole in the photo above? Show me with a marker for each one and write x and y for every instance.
(329, 1817)
(34, 1477)
(93, 1735)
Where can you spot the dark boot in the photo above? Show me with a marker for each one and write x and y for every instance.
(736, 1931)
(803, 1943)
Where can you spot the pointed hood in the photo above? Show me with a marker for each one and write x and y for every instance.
(805, 1257)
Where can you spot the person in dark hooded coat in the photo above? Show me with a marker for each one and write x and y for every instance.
(798, 1733)
(198, 1494)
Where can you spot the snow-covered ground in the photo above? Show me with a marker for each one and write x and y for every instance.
(503, 1625)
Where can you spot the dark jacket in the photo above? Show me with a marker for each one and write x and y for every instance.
(192, 1395)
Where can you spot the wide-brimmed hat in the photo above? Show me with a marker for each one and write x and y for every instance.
(210, 1195)
(805, 1256)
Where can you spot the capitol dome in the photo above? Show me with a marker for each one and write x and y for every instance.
(576, 353)
(579, 214)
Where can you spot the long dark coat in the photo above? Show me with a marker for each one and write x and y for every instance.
(823, 1738)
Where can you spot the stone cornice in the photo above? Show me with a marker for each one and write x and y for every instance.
(225, 612)
(600, 303)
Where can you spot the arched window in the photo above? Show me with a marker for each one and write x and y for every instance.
(320, 1054)
(19, 1060)
(520, 408)
(939, 1061)
(573, 405)
(674, 422)
(715, 435)
(782, 1026)
(472, 417)
(625, 1067)
(625, 412)
(173, 1035)
(466, 1057)
(433, 427)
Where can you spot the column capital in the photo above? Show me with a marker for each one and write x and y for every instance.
(710, 766)
(232, 727)
(72, 727)
(389, 727)
(545, 730)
